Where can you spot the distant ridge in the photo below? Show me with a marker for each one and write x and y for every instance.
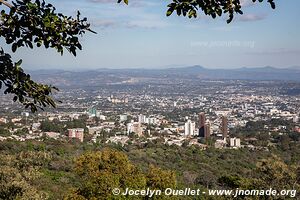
(294, 68)
(195, 72)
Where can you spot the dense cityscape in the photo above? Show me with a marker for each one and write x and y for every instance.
(176, 128)
(149, 100)
(219, 113)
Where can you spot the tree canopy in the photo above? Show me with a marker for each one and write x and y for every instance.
(102, 171)
(25, 23)
(213, 8)
(35, 22)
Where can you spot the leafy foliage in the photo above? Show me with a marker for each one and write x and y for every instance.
(34, 22)
(100, 172)
(4, 132)
(273, 172)
(84, 171)
(17, 174)
(25, 90)
(213, 8)
(37, 22)
(57, 126)
(160, 179)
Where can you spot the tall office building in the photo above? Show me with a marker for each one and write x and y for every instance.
(202, 120)
(207, 130)
(189, 128)
(224, 126)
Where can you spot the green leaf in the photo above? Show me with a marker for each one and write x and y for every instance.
(14, 47)
(170, 11)
(19, 62)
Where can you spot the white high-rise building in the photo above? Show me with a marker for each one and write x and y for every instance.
(123, 118)
(151, 120)
(102, 117)
(295, 119)
(134, 127)
(142, 119)
(147, 120)
(189, 128)
(235, 142)
(238, 142)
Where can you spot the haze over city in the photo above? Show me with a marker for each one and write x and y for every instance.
(141, 36)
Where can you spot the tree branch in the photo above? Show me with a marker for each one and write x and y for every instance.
(6, 3)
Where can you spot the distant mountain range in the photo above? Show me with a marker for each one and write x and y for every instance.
(111, 76)
(259, 73)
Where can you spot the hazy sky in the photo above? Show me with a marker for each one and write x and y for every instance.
(140, 35)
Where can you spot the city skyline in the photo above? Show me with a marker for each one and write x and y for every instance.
(153, 106)
(141, 36)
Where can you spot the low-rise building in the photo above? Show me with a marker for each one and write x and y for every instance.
(76, 133)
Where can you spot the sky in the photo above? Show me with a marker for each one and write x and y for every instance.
(141, 36)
